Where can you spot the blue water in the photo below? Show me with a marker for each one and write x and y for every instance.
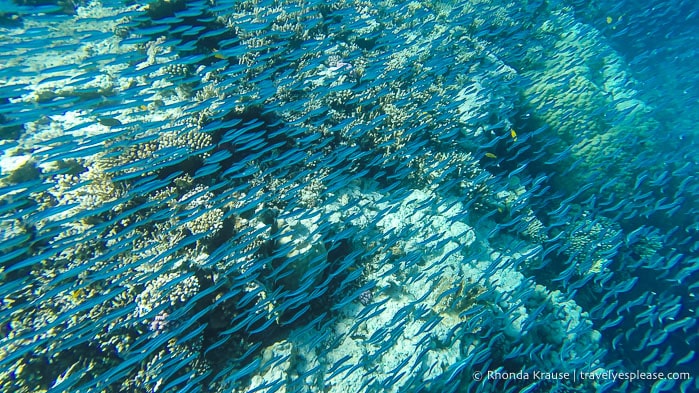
(299, 196)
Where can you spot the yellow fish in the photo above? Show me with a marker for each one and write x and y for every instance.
(609, 19)
(219, 55)
(513, 134)
(491, 155)
(77, 294)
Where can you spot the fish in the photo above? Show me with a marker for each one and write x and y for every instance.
(608, 310)
(626, 285)
(657, 339)
(684, 324)
(611, 323)
(513, 134)
(271, 133)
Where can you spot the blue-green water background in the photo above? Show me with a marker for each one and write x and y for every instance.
(178, 229)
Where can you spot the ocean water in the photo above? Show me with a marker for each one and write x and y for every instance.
(355, 196)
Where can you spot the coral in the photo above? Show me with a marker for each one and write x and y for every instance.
(594, 83)
(336, 241)
(535, 229)
(203, 216)
(277, 361)
(593, 243)
(302, 243)
(153, 297)
(566, 327)
(366, 297)
(177, 69)
(19, 169)
(647, 246)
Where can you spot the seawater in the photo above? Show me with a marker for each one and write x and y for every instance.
(426, 196)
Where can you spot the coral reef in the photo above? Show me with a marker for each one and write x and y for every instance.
(356, 196)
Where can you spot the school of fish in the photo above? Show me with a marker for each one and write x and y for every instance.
(353, 196)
